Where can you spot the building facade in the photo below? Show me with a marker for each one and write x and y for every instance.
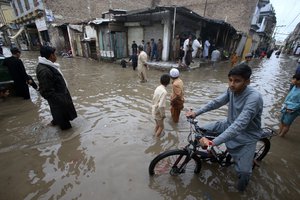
(263, 22)
(292, 42)
(262, 26)
(31, 19)
(54, 21)
(6, 17)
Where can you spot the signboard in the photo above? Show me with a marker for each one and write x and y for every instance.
(49, 15)
(41, 24)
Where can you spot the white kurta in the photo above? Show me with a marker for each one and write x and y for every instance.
(159, 102)
(142, 66)
(206, 48)
(196, 45)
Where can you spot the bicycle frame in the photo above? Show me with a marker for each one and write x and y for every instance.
(194, 151)
(214, 153)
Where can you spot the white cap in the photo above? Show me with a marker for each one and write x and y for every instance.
(248, 55)
(174, 73)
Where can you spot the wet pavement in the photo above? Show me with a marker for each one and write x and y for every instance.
(107, 152)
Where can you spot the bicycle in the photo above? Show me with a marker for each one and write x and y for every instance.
(177, 161)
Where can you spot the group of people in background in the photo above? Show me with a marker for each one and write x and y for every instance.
(152, 48)
(183, 51)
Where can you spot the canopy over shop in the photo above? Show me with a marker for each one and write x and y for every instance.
(164, 22)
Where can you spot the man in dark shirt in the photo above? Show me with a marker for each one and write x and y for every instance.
(134, 59)
(134, 47)
(18, 73)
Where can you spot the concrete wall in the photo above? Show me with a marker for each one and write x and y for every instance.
(57, 39)
(134, 34)
(77, 10)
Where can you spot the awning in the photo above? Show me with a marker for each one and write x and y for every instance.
(76, 27)
(100, 21)
(17, 34)
(88, 39)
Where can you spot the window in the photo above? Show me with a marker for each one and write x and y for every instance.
(27, 6)
(20, 6)
(15, 9)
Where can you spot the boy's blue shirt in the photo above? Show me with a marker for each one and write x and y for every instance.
(243, 118)
(292, 100)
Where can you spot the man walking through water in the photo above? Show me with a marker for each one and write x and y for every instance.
(177, 96)
(53, 87)
(18, 73)
(142, 65)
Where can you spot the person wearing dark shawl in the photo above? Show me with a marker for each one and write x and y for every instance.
(53, 87)
(18, 73)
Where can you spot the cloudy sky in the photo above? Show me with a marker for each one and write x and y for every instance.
(287, 14)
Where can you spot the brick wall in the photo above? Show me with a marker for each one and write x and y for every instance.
(237, 12)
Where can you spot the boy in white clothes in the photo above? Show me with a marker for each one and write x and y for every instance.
(159, 104)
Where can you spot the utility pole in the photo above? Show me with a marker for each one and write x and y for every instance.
(276, 27)
(205, 8)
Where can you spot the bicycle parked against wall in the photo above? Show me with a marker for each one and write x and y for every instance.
(190, 158)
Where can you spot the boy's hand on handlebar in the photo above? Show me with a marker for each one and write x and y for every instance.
(190, 114)
(204, 142)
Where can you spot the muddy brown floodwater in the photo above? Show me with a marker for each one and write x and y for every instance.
(107, 152)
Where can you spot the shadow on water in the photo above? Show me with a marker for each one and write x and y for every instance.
(109, 148)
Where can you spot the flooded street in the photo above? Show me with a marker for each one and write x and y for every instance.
(107, 152)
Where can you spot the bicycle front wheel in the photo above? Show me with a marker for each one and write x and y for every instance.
(262, 148)
(175, 162)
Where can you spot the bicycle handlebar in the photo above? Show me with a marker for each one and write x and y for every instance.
(197, 128)
(200, 132)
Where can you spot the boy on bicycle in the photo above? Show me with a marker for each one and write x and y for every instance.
(242, 128)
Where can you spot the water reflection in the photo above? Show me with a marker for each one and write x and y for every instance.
(169, 141)
(64, 166)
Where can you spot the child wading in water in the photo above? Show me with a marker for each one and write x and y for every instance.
(159, 104)
(291, 107)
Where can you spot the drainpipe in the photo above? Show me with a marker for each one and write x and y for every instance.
(166, 38)
(71, 41)
(174, 22)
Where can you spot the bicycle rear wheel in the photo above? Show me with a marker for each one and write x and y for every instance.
(262, 148)
(174, 162)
